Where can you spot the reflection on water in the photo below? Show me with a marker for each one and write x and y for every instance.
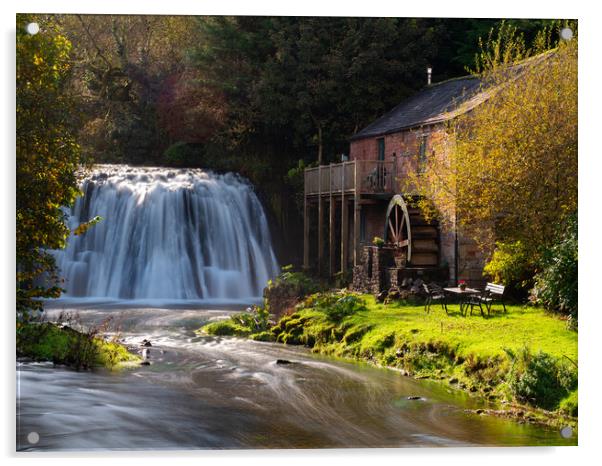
(205, 392)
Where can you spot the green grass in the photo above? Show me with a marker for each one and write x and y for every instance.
(487, 337)
(49, 342)
(525, 356)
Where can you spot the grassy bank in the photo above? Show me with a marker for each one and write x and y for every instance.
(64, 345)
(525, 358)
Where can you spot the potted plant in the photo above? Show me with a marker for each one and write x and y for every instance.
(378, 242)
(462, 284)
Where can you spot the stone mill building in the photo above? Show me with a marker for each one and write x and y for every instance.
(347, 204)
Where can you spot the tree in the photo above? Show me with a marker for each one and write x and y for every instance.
(47, 158)
(509, 169)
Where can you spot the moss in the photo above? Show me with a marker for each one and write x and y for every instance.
(225, 328)
(263, 336)
(64, 345)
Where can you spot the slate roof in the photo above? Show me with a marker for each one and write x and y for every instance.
(435, 103)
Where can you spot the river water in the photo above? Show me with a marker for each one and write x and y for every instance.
(207, 392)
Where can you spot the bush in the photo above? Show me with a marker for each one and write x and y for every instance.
(556, 286)
(61, 344)
(254, 321)
(540, 379)
(512, 266)
(181, 154)
(285, 291)
(570, 405)
(338, 305)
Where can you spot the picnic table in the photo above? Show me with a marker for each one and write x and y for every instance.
(463, 297)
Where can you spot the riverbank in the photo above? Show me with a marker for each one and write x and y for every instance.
(523, 362)
(64, 345)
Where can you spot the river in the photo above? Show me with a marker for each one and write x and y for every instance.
(206, 392)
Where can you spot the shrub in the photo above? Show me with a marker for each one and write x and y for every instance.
(181, 154)
(570, 405)
(282, 293)
(255, 320)
(512, 266)
(338, 305)
(556, 284)
(539, 379)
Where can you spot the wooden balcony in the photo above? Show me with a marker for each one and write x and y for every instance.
(354, 177)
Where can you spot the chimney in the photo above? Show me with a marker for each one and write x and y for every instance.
(429, 72)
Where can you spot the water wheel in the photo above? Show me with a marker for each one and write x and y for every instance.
(397, 226)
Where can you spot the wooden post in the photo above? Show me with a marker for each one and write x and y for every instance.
(305, 233)
(344, 224)
(320, 222)
(331, 235)
(356, 217)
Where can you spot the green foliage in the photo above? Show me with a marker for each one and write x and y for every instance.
(337, 305)
(283, 293)
(469, 351)
(540, 379)
(254, 322)
(47, 158)
(227, 327)
(63, 345)
(180, 154)
(511, 173)
(570, 404)
(556, 285)
(511, 265)
(378, 242)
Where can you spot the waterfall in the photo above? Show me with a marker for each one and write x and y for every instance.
(167, 234)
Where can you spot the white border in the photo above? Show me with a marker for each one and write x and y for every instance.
(589, 225)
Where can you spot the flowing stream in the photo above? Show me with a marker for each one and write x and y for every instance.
(211, 392)
(173, 247)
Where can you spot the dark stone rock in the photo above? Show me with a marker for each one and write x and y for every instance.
(453, 380)
(283, 361)
(146, 342)
(480, 411)
(414, 397)
(145, 363)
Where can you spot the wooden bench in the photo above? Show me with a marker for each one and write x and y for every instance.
(491, 293)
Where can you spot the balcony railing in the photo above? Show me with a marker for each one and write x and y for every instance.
(365, 176)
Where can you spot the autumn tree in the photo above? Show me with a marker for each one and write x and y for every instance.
(508, 172)
(47, 158)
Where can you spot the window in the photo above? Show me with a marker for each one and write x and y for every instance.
(381, 148)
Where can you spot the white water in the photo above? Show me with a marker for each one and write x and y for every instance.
(167, 235)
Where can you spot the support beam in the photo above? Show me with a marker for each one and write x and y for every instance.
(356, 219)
(332, 236)
(320, 233)
(344, 234)
(305, 233)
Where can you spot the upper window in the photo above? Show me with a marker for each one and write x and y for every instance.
(381, 148)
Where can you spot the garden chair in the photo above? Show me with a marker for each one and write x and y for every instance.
(434, 293)
(487, 297)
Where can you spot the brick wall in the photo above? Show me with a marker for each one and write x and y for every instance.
(405, 146)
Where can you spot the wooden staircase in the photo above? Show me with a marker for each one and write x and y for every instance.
(425, 240)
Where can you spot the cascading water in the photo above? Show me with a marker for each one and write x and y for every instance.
(168, 234)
